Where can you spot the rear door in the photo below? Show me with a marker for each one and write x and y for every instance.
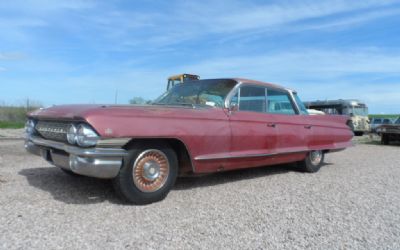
(291, 128)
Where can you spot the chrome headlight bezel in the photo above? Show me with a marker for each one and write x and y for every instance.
(72, 134)
(86, 136)
(30, 127)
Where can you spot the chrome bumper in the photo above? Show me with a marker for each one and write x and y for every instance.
(94, 162)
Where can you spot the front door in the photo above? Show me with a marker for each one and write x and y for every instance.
(254, 136)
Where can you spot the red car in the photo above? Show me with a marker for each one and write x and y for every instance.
(197, 127)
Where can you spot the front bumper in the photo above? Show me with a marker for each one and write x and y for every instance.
(94, 162)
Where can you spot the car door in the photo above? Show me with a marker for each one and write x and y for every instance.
(291, 128)
(253, 133)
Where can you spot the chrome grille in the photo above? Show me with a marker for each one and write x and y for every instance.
(56, 131)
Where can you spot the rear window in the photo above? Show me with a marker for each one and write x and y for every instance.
(279, 103)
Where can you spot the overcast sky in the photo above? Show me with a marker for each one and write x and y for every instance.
(80, 51)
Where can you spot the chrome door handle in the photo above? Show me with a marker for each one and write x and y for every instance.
(307, 126)
(271, 125)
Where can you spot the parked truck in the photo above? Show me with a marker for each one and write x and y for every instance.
(176, 79)
(389, 132)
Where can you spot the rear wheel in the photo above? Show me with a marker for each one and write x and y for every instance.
(313, 162)
(148, 174)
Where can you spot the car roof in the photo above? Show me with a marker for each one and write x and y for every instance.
(244, 80)
(255, 82)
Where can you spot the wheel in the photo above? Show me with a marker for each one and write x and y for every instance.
(313, 162)
(148, 174)
(359, 133)
(384, 139)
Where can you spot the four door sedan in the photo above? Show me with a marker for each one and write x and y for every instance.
(197, 127)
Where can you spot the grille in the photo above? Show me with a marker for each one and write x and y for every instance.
(56, 131)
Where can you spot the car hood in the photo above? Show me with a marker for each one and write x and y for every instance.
(86, 112)
(390, 126)
(131, 120)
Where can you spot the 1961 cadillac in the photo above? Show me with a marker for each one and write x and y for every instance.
(197, 127)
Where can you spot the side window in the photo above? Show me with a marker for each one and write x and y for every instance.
(279, 103)
(251, 98)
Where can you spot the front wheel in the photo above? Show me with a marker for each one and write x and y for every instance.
(148, 174)
(313, 161)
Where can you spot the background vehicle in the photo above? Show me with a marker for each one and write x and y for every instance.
(376, 122)
(315, 112)
(357, 110)
(389, 132)
(176, 79)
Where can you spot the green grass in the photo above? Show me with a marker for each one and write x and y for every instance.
(8, 124)
(13, 116)
(384, 116)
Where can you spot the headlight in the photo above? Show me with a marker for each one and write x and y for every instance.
(29, 127)
(72, 134)
(85, 136)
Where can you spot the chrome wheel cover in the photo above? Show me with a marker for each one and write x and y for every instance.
(150, 170)
(316, 157)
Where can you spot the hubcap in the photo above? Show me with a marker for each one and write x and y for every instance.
(150, 170)
(316, 157)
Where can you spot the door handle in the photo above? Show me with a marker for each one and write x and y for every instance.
(271, 125)
(308, 126)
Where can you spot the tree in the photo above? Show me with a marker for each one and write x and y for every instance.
(137, 100)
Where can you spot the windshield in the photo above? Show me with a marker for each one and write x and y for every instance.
(397, 121)
(359, 110)
(302, 108)
(202, 92)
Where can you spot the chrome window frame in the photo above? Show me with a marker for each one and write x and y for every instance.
(237, 87)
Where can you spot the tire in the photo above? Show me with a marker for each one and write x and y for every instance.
(313, 161)
(385, 139)
(359, 133)
(148, 174)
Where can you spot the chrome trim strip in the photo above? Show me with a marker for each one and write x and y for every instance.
(231, 94)
(92, 152)
(296, 105)
(113, 142)
(202, 158)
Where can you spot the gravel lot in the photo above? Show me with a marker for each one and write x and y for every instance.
(352, 203)
(11, 133)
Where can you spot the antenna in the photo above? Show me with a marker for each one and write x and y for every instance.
(116, 96)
